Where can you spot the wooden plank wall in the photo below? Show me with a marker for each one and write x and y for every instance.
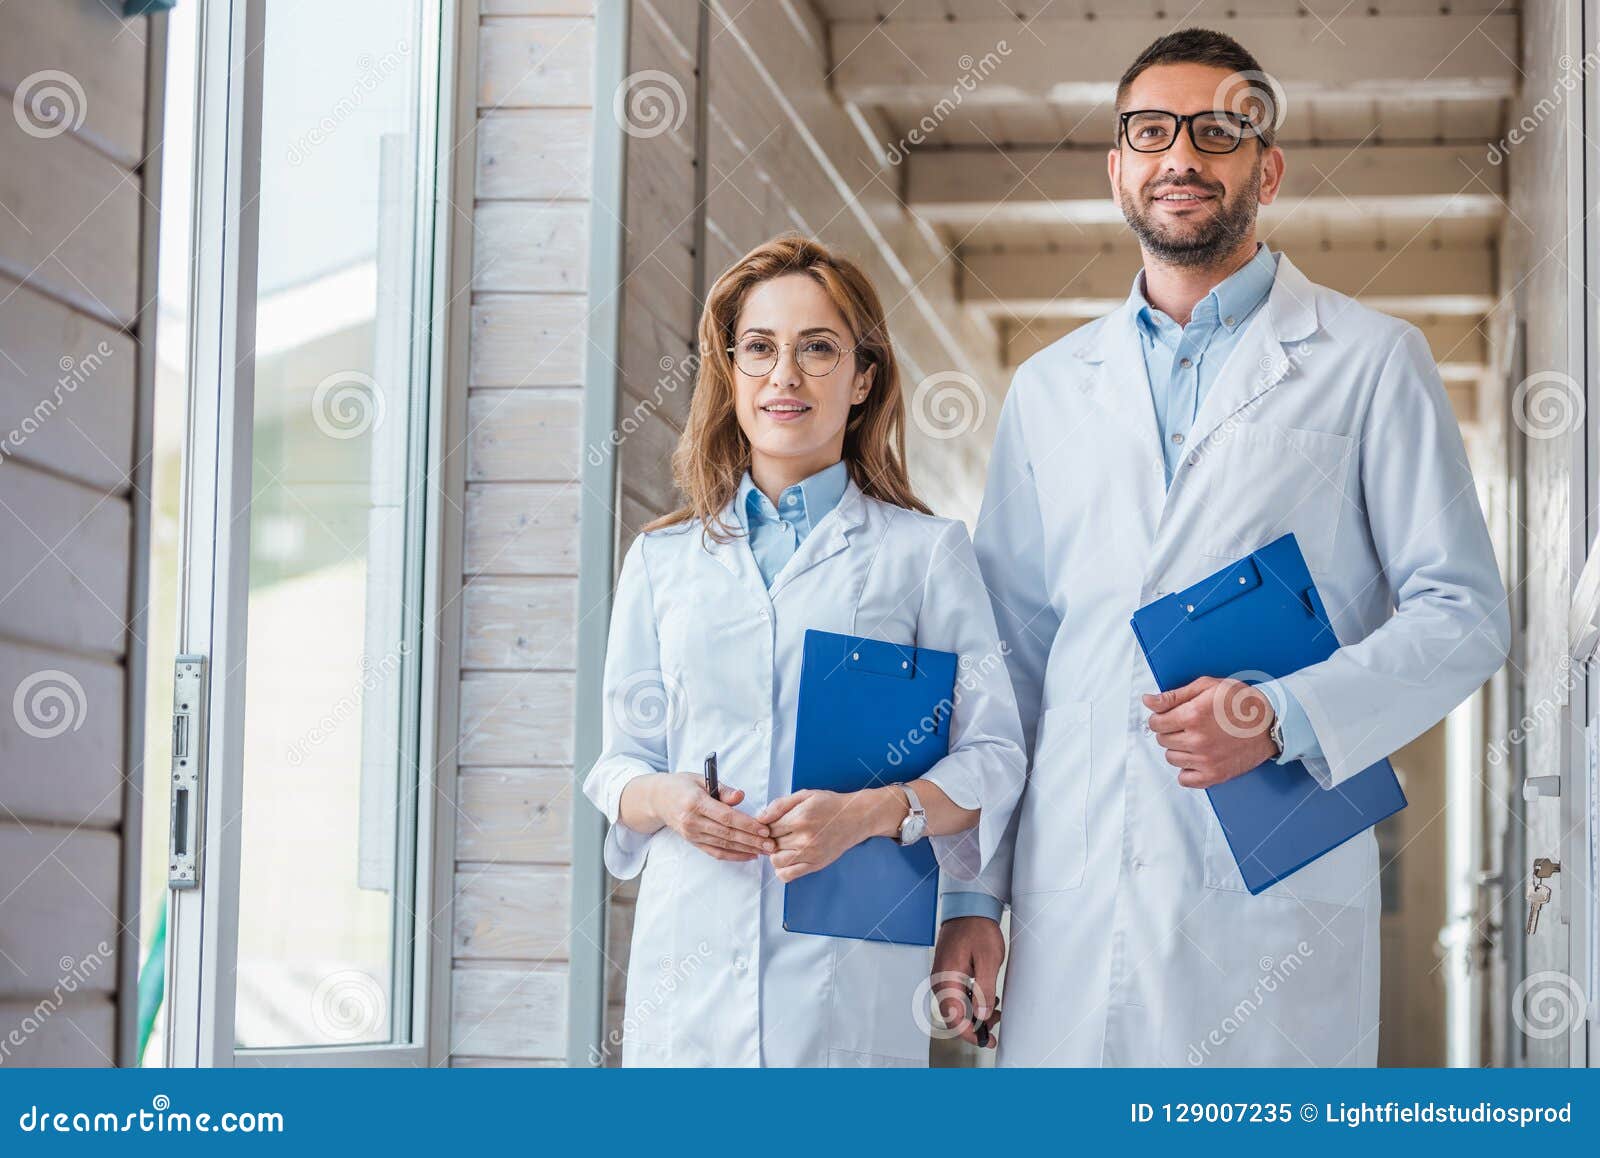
(515, 792)
(72, 291)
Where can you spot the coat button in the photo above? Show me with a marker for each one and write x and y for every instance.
(740, 964)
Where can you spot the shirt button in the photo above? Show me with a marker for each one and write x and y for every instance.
(789, 499)
(1185, 363)
(765, 614)
(1177, 440)
(1228, 321)
(740, 964)
(1194, 460)
(758, 727)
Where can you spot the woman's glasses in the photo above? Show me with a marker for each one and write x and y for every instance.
(817, 355)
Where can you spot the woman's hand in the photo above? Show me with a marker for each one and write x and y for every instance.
(814, 828)
(679, 801)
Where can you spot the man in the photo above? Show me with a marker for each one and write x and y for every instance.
(1226, 402)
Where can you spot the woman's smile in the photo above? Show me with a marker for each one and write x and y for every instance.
(785, 409)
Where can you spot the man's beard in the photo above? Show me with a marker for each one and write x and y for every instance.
(1199, 243)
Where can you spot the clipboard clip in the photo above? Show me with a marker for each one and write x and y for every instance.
(876, 657)
(1240, 579)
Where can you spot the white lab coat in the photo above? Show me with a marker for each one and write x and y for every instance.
(1133, 940)
(703, 657)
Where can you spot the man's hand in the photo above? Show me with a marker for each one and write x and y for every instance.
(969, 955)
(1212, 729)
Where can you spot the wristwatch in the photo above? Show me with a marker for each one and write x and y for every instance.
(915, 824)
(1275, 734)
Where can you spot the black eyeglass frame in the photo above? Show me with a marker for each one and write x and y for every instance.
(1187, 120)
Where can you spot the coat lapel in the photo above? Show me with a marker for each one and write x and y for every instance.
(826, 539)
(1118, 389)
(1119, 386)
(735, 554)
(1264, 355)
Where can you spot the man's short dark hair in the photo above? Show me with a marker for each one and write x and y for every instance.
(1218, 50)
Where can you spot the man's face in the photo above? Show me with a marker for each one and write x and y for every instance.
(1187, 206)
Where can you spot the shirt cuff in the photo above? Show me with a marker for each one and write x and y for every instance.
(1299, 740)
(954, 905)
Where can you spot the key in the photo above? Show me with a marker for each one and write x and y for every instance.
(1538, 897)
(1539, 892)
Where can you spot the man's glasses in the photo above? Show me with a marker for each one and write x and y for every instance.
(757, 354)
(1154, 130)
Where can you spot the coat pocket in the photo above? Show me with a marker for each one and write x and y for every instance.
(1052, 834)
(1263, 481)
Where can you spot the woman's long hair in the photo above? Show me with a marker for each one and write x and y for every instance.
(713, 453)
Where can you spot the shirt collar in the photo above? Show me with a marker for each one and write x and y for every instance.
(1230, 302)
(813, 498)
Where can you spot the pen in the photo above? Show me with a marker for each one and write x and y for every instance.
(711, 776)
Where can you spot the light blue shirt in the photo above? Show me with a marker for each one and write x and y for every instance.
(1181, 363)
(776, 532)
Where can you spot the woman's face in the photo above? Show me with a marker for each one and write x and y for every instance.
(795, 420)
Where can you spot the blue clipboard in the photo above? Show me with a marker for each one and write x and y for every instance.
(871, 713)
(1261, 619)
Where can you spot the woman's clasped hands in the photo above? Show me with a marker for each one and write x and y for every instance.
(802, 832)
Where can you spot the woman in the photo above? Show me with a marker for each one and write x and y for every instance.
(798, 515)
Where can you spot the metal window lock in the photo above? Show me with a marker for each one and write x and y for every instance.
(188, 765)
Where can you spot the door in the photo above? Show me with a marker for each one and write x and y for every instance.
(300, 917)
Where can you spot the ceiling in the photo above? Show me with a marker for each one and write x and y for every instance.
(997, 117)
